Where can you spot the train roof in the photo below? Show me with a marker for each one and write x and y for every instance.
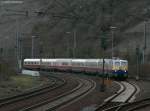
(120, 60)
(64, 59)
(31, 60)
(73, 60)
(78, 60)
(49, 60)
(92, 60)
(55, 60)
(123, 60)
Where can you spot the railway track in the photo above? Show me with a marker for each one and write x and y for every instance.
(84, 87)
(50, 97)
(9, 104)
(118, 100)
(134, 106)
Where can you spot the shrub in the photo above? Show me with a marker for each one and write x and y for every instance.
(5, 70)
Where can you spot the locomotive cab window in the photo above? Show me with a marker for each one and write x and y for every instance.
(124, 63)
(117, 63)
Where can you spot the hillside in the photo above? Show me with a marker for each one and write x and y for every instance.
(85, 20)
(56, 23)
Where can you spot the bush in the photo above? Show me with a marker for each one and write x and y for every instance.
(145, 70)
(5, 70)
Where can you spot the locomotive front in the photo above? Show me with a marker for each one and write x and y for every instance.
(120, 69)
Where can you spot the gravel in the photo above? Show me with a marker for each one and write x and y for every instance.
(144, 89)
(89, 102)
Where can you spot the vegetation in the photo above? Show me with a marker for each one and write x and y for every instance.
(19, 83)
(85, 19)
(25, 81)
(60, 22)
(5, 70)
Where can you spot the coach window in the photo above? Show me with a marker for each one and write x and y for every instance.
(93, 64)
(63, 63)
(100, 63)
(74, 64)
(86, 64)
(81, 64)
(89, 64)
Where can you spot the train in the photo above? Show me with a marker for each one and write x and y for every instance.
(115, 68)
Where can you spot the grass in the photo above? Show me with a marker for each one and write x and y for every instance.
(24, 81)
(18, 84)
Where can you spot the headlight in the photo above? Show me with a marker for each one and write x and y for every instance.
(125, 71)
